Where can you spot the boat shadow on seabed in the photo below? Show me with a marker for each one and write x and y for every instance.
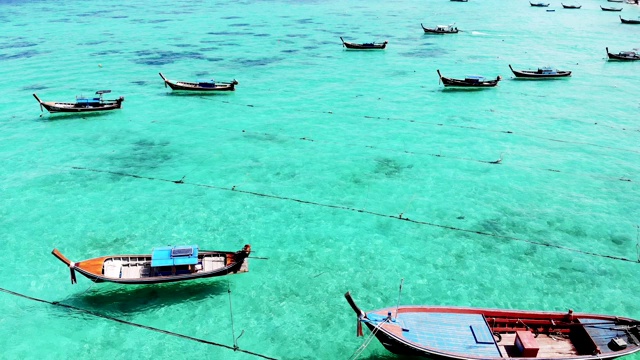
(114, 300)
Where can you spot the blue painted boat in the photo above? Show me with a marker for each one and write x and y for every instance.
(461, 333)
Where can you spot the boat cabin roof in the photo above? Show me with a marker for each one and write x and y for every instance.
(174, 255)
(547, 70)
(475, 78)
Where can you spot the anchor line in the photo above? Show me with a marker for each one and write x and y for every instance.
(363, 211)
(453, 126)
(125, 322)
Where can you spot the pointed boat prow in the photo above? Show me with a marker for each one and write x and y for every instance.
(39, 101)
(69, 263)
(355, 307)
(163, 78)
(61, 257)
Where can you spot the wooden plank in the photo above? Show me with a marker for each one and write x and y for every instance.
(93, 266)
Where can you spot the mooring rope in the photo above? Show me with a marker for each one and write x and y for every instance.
(367, 341)
(151, 328)
(410, 152)
(363, 211)
(475, 128)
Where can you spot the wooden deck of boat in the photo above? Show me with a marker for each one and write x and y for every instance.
(469, 335)
(465, 334)
(550, 346)
(92, 265)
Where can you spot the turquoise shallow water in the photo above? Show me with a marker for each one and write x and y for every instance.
(341, 143)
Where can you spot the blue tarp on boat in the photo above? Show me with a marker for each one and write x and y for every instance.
(174, 255)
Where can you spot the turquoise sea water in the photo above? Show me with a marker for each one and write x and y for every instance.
(325, 148)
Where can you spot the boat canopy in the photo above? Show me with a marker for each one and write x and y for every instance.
(174, 255)
(475, 78)
(547, 70)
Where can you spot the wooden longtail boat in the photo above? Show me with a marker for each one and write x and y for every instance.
(571, 6)
(82, 104)
(204, 85)
(365, 46)
(616, 1)
(461, 333)
(541, 73)
(623, 55)
(460, 0)
(474, 81)
(629, 21)
(610, 9)
(441, 29)
(164, 264)
(538, 4)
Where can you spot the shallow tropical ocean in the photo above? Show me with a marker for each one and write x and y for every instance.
(348, 170)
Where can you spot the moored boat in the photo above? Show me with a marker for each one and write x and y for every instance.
(615, 1)
(623, 55)
(441, 29)
(629, 21)
(200, 85)
(541, 73)
(460, 0)
(472, 81)
(457, 333)
(539, 4)
(364, 46)
(82, 104)
(610, 8)
(571, 6)
(164, 264)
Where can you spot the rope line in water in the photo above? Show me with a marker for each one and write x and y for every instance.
(166, 332)
(363, 211)
(450, 125)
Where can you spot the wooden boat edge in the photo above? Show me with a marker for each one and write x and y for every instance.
(95, 277)
(400, 345)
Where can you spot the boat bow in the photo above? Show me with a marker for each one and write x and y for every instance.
(361, 314)
(69, 263)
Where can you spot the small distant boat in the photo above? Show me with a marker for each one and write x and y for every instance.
(571, 6)
(473, 81)
(441, 29)
(624, 55)
(164, 264)
(200, 85)
(629, 21)
(610, 8)
(364, 46)
(538, 4)
(457, 333)
(616, 1)
(460, 0)
(82, 104)
(541, 73)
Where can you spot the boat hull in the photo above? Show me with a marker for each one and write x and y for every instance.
(629, 21)
(61, 107)
(531, 74)
(372, 46)
(459, 333)
(195, 87)
(623, 57)
(93, 269)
